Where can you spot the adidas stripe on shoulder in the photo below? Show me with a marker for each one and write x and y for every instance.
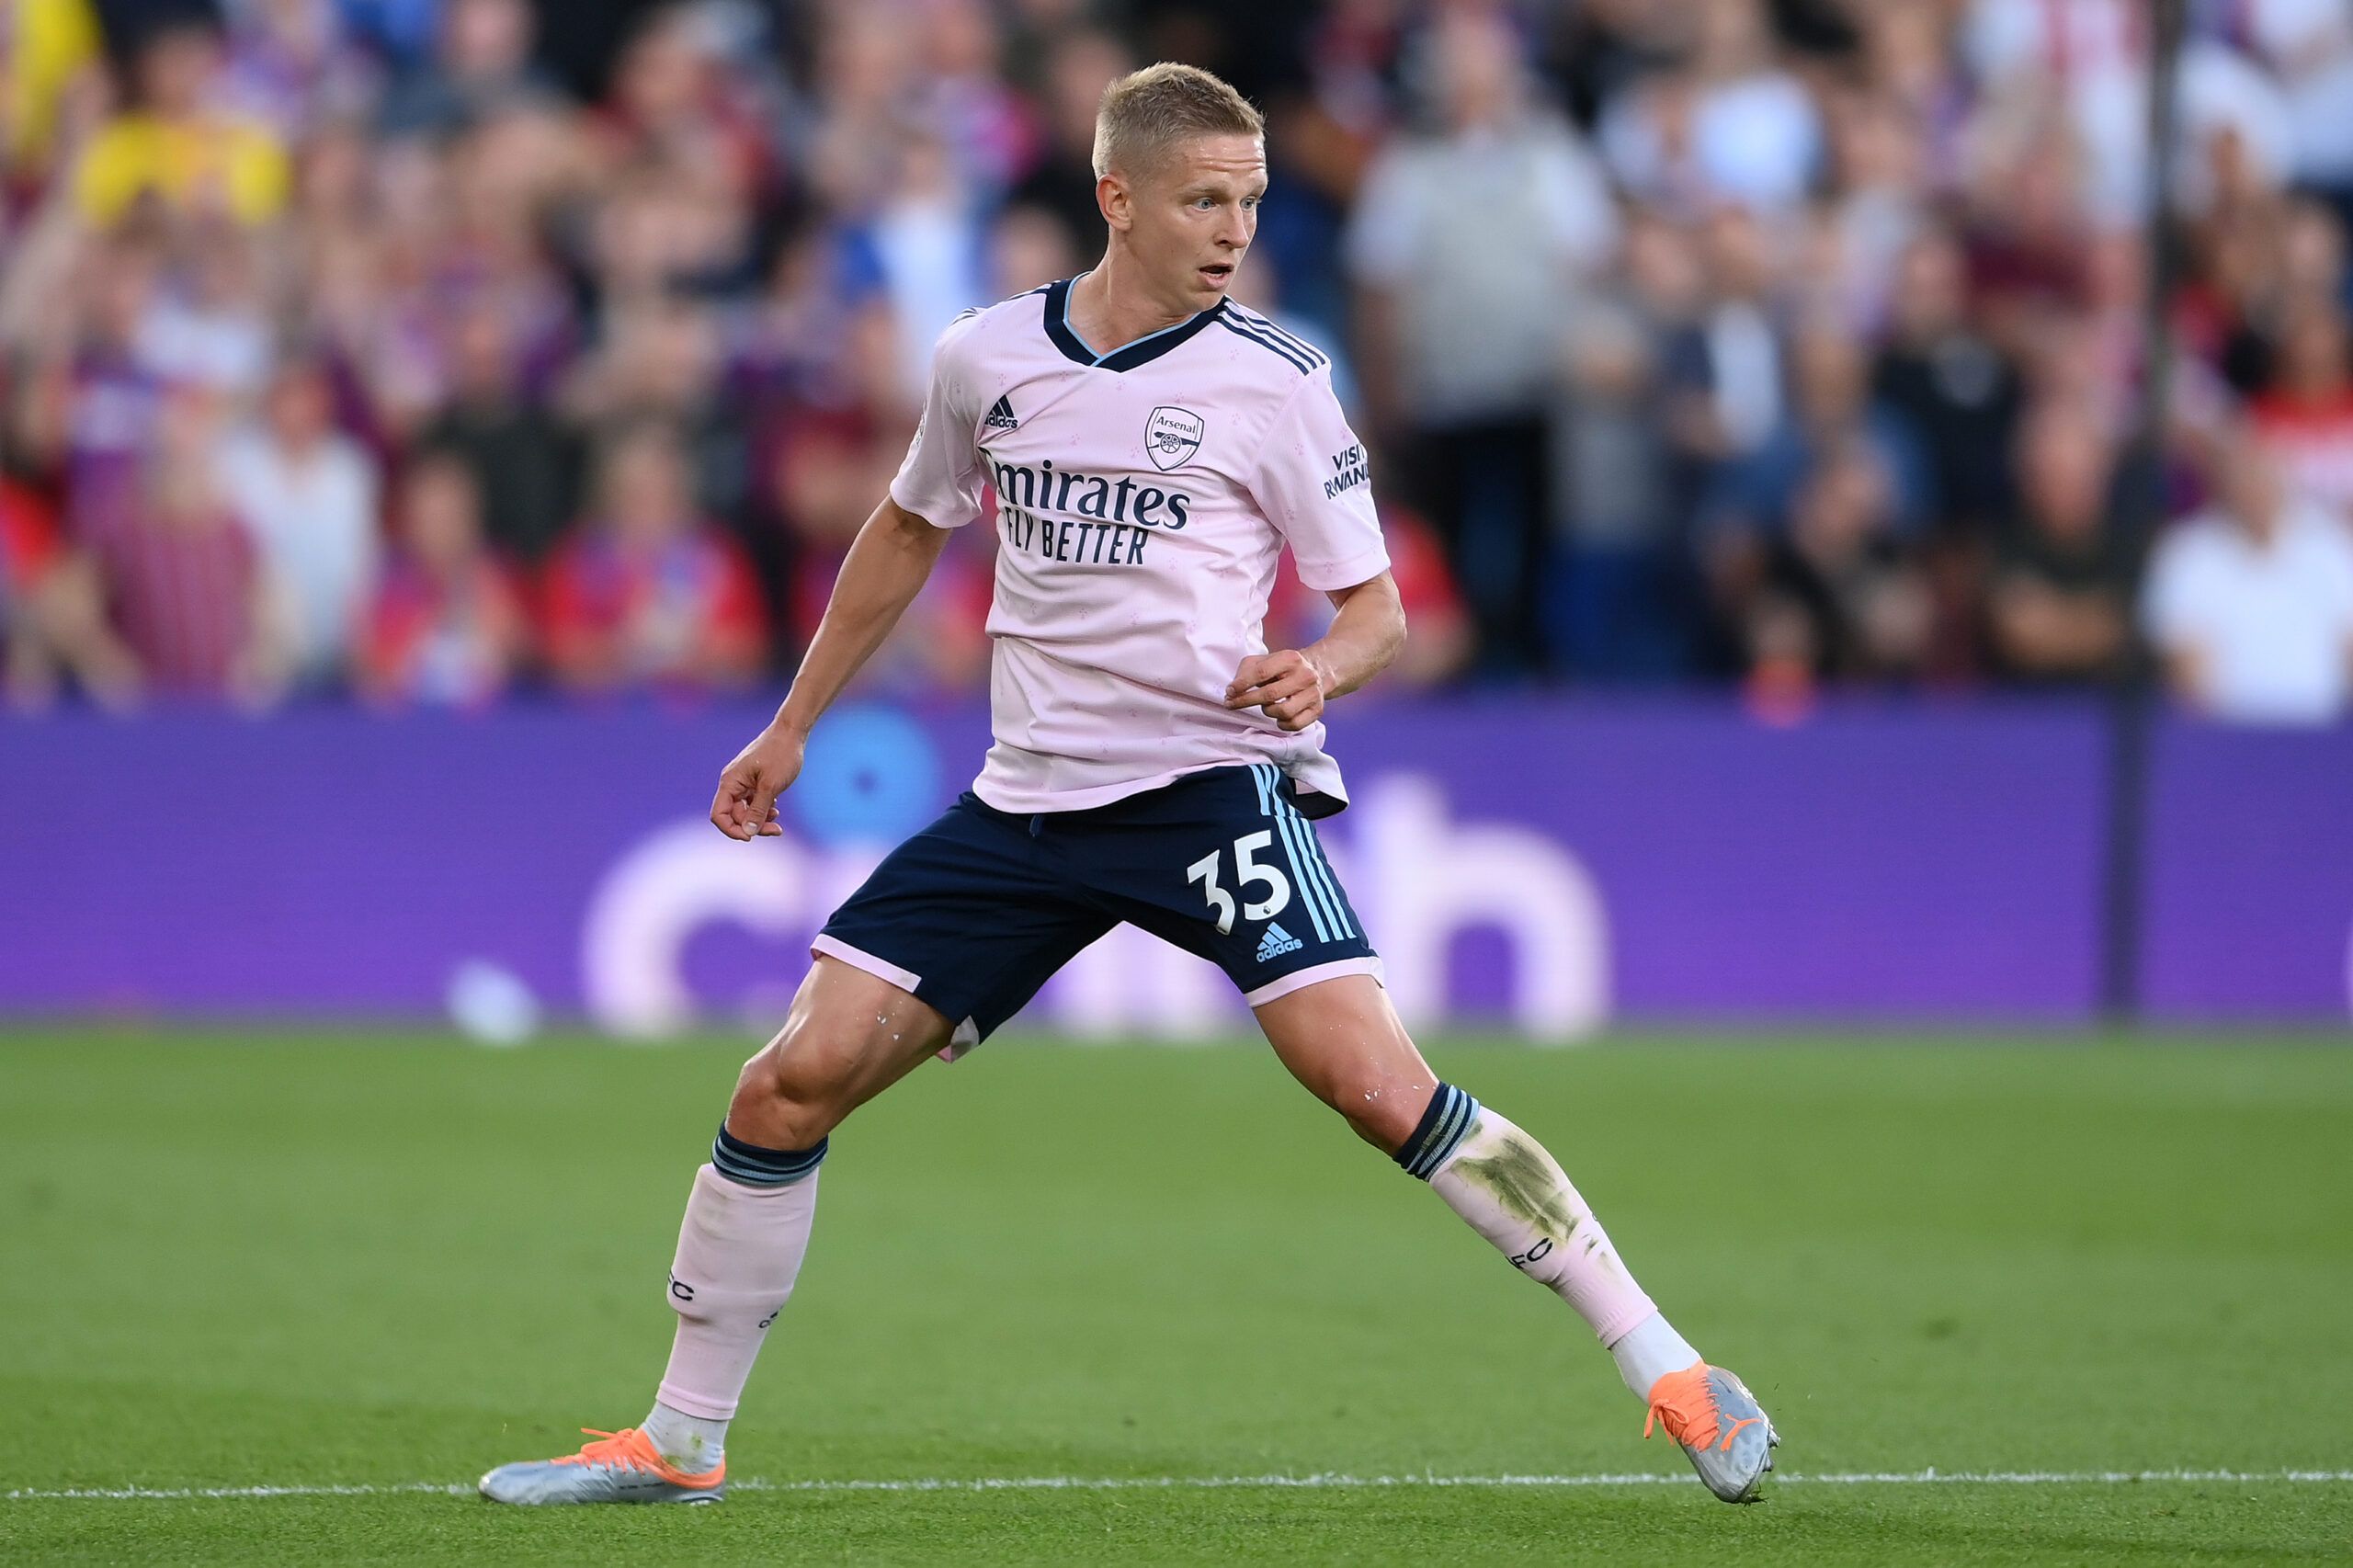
(1281, 334)
(1304, 356)
(1297, 351)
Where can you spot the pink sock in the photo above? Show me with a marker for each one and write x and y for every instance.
(1512, 1192)
(739, 1250)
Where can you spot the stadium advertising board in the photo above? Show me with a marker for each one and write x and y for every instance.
(1547, 870)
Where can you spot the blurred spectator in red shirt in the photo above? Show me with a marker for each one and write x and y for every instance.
(828, 466)
(52, 613)
(648, 592)
(182, 574)
(2306, 417)
(448, 624)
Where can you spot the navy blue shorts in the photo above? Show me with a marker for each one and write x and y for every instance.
(976, 912)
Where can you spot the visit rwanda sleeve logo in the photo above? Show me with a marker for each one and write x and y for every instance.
(1171, 437)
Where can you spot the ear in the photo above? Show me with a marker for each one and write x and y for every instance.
(1116, 201)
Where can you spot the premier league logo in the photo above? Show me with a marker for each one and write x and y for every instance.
(1171, 437)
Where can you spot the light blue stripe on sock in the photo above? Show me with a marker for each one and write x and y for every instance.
(1420, 1168)
(1468, 1118)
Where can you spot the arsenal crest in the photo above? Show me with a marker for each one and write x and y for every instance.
(1171, 437)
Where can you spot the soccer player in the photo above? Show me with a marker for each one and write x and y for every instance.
(1153, 446)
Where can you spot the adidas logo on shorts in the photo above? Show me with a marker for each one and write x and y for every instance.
(1276, 943)
(1000, 415)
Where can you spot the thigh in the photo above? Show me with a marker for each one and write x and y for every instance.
(969, 917)
(1222, 864)
(1346, 1046)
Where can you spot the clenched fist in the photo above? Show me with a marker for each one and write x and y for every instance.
(745, 807)
(1286, 684)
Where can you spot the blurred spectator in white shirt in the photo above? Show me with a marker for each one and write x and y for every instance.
(2251, 603)
(307, 495)
(1470, 236)
(1468, 243)
(2060, 39)
(2309, 44)
(1733, 128)
(210, 325)
(927, 245)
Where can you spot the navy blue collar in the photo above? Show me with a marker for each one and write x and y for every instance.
(1128, 355)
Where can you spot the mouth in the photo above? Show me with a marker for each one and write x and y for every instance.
(1217, 274)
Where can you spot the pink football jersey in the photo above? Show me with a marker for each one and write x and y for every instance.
(1143, 496)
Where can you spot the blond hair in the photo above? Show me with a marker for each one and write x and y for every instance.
(1146, 111)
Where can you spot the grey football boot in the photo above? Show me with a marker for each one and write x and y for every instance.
(1724, 1431)
(619, 1467)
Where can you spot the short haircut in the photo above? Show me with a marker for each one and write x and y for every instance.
(1147, 111)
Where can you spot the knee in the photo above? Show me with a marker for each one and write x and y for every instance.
(785, 1097)
(1382, 1112)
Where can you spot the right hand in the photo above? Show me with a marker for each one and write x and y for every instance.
(745, 807)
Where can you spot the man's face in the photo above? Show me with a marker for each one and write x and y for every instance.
(1190, 219)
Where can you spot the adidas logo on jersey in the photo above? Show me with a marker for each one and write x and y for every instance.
(1276, 943)
(1000, 415)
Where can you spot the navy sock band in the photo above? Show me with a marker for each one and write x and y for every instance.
(754, 1166)
(1448, 1121)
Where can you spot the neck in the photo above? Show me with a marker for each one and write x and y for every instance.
(1110, 306)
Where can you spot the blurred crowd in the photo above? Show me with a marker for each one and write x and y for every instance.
(427, 351)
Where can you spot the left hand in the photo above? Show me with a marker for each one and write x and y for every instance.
(1286, 684)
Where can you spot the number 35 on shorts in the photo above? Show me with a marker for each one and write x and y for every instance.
(1249, 872)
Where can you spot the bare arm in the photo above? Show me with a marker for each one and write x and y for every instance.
(2043, 628)
(887, 566)
(1364, 640)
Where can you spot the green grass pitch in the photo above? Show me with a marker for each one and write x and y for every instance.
(376, 1261)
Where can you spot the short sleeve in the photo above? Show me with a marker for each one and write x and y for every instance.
(1315, 483)
(940, 480)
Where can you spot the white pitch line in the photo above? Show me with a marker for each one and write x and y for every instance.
(1931, 1477)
